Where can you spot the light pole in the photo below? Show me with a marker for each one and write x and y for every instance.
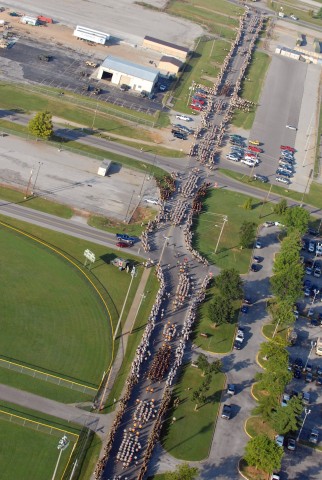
(225, 219)
(29, 182)
(133, 274)
(306, 413)
(136, 314)
(34, 185)
(308, 357)
(128, 208)
(307, 184)
(62, 445)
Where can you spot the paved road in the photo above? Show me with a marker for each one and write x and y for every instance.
(99, 423)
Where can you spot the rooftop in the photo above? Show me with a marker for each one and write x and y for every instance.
(166, 44)
(130, 68)
(172, 60)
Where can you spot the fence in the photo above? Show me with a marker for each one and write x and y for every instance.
(37, 426)
(47, 377)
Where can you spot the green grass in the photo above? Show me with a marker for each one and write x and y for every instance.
(205, 61)
(300, 14)
(251, 89)
(268, 331)
(49, 304)
(317, 166)
(208, 226)
(218, 17)
(134, 339)
(314, 197)
(220, 339)
(36, 203)
(28, 332)
(256, 426)
(29, 454)
(190, 436)
(134, 228)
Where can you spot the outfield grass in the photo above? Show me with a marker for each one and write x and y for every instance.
(314, 197)
(220, 339)
(83, 351)
(251, 89)
(208, 225)
(190, 436)
(29, 455)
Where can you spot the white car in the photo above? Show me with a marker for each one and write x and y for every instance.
(184, 117)
(291, 127)
(240, 336)
(253, 159)
(153, 201)
(275, 476)
(250, 163)
(234, 158)
(293, 17)
(284, 180)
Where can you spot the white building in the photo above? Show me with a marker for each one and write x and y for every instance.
(90, 35)
(122, 72)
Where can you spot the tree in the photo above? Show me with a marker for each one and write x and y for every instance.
(297, 218)
(288, 284)
(202, 362)
(282, 313)
(230, 284)
(287, 419)
(318, 15)
(182, 472)
(281, 207)
(247, 234)
(220, 310)
(199, 397)
(41, 125)
(267, 404)
(264, 454)
(248, 205)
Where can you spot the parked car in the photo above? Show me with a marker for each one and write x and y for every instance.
(124, 87)
(124, 244)
(254, 267)
(261, 178)
(125, 237)
(285, 399)
(306, 398)
(287, 147)
(226, 412)
(284, 180)
(237, 345)
(258, 244)
(244, 309)
(291, 444)
(308, 378)
(314, 436)
(231, 389)
(184, 117)
(232, 157)
(279, 439)
(254, 142)
(247, 300)
(257, 259)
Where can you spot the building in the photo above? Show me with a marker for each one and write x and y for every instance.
(103, 168)
(122, 72)
(300, 54)
(166, 48)
(29, 20)
(169, 65)
(90, 35)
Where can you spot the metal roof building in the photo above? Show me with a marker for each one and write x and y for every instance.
(166, 48)
(123, 72)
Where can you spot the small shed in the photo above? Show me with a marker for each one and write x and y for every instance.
(29, 20)
(169, 65)
(103, 168)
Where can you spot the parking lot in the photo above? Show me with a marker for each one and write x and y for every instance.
(67, 71)
(289, 97)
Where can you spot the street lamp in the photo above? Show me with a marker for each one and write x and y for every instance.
(62, 445)
(225, 219)
(133, 274)
(307, 411)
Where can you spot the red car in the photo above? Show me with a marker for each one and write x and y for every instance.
(124, 244)
(286, 147)
(251, 154)
(196, 107)
(255, 149)
(198, 102)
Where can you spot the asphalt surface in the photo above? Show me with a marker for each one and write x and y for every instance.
(67, 71)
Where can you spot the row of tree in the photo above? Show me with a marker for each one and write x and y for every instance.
(229, 286)
(286, 283)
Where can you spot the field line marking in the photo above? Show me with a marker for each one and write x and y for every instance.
(40, 423)
(85, 274)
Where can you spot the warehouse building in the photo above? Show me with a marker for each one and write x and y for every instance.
(169, 65)
(90, 35)
(122, 72)
(166, 48)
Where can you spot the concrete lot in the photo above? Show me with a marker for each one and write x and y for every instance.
(122, 19)
(72, 179)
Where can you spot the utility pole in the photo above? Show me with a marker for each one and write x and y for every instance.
(265, 200)
(307, 184)
(225, 219)
(28, 184)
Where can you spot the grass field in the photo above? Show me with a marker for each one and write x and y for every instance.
(28, 454)
(190, 436)
(256, 425)
(220, 339)
(76, 326)
(251, 89)
(208, 226)
(314, 197)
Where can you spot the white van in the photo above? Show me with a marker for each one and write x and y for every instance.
(318, 347)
